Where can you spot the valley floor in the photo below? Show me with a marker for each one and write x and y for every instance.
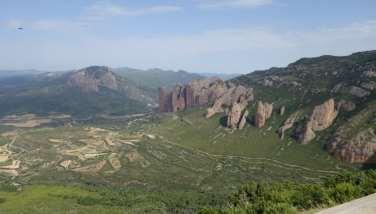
(171, 163)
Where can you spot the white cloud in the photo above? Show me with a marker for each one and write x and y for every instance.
(102, 10)
(222, 50)
(95, 12)
(216, 4)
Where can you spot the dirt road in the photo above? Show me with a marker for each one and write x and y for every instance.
(366, 205)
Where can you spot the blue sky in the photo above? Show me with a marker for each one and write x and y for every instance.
(228, 36)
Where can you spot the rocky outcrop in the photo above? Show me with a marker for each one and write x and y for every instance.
(179, 98)
(164, 101)
(243, 120)
(288, 124)
(321, 118)
(354, 142)
(263, 113)
(236, 94)
(203, 92)
(360, 149)
(308, 135)
(92, 78)
(197, 93)
(236, 118)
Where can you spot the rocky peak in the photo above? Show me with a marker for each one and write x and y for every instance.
(90, 79)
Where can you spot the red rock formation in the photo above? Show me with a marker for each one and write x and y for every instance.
(196, 93)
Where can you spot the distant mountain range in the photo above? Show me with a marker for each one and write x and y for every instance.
(150, 78)
(89, 91)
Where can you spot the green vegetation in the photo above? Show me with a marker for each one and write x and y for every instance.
(292, 197)
(265, 197)
(191, 130)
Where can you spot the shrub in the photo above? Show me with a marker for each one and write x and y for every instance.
(6, 187)
(88, 201)
(287, 197)
(311, 196)
(343, 192)
(2, 200)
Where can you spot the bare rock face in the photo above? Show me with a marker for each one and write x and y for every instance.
(164, 101)
(307, 135)
(206, 90)
(263, 113)
(358, 92)
(178, 98)
(236, 94)
(360, 149)
(243, 121)
(321, 118)
(236, 119)
(289, 123)
(197, 93)
(323, 115)
(92, 78)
